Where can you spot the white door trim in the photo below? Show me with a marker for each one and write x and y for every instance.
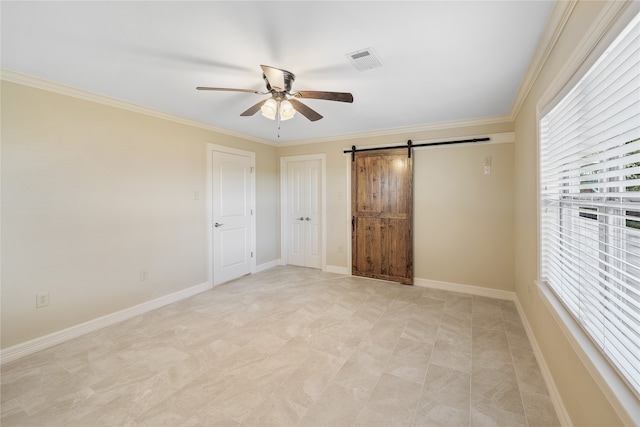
(283, 204)
(223, 149)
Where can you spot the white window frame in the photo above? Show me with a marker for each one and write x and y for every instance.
(622, 397)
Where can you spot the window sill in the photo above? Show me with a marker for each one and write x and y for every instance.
(620, 396)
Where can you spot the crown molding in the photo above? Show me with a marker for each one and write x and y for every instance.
(43, 84)
(407, 131)
(555, 25)
(50, 86)
(589, 47)
(558, 18)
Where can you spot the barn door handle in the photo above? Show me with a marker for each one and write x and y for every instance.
(353, 223)
(217, 225)
(307, 219)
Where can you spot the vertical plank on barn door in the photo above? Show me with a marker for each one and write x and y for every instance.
(382, 210)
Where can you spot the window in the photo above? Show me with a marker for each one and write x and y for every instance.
(590, 202)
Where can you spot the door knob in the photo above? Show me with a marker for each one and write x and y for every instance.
(300, 219)
(217, 225)
(308, 219)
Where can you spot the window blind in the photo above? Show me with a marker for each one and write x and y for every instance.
(590, 202)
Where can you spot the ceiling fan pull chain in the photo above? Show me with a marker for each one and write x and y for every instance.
(278, 118)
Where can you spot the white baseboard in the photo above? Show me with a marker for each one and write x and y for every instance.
(337, 270)
(467, 289)
(23, 349)
(267, 265)
(554, 394)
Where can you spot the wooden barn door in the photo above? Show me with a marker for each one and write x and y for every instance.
(382, 222)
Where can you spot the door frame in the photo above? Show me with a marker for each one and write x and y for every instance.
(211, 148)
(284, 199)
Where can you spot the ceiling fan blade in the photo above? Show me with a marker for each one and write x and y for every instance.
(329, 96)
(304, 110)
(228, 89)
(275, 77)
(254, 109)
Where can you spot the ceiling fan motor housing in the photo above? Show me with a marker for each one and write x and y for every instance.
(289, 78)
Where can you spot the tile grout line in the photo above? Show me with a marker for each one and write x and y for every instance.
(346, 359)
(424, 381)
(280, 297)
(355, 421)
(473, 304)
(382, 372)
(515, 371)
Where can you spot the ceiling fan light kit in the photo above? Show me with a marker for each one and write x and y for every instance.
(283, 109)
(286, 110)
(283, 103)
(269, 109)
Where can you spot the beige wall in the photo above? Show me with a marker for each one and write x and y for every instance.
(463, 219)
(585, 403)
(92, 195)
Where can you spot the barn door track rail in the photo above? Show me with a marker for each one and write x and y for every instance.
(411, 145)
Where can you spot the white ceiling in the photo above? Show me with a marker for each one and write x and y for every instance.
(443, 61)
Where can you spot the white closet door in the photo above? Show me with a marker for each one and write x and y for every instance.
(304, 209)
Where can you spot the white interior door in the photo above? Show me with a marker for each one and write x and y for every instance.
(231, 216)
(304, 211)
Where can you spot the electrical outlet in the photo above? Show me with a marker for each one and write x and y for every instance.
(42, 299)
(340, 249)
(144, 275)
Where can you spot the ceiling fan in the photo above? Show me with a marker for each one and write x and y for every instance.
(283, 103)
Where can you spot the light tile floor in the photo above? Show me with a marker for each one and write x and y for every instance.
(292, 346)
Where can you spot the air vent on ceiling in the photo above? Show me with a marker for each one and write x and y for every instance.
(364, 59)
